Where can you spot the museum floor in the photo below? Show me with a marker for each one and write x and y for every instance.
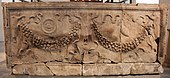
(4, 72)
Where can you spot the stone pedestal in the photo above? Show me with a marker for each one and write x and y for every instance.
(85, 39)
(61, 69)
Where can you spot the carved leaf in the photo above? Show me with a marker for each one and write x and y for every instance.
(125, 31)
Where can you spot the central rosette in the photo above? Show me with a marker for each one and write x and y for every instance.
(49, 26)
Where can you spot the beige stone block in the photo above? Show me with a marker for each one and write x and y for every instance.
(122, 69)
(99, 39)
(106, 69)
(61, 69)
(90, 69)
(146, 68)
(32, 69)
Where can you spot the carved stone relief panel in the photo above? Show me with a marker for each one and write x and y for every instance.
(39, 33)
(79, 39)
(65, 36)
(146, 31)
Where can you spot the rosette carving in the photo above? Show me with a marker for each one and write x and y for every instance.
(48, 27)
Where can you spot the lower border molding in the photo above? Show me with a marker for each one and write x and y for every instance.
(65, 69)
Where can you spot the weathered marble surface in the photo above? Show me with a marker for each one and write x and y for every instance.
(60, 69)
(84, 37)
(48, 69)
(122, 69)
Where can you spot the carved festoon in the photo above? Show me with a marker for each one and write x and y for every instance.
(83, 38)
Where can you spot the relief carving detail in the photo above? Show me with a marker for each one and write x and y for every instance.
(86, 39)
(83, 34)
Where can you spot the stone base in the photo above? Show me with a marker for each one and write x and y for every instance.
(63, 69)
(129, 76)
(122, 69)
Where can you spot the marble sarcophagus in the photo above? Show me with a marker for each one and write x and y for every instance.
(85, 39)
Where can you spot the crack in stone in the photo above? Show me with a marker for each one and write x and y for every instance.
(49, 69)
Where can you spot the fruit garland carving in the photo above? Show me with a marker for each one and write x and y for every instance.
(49, 44)
(117, 46)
